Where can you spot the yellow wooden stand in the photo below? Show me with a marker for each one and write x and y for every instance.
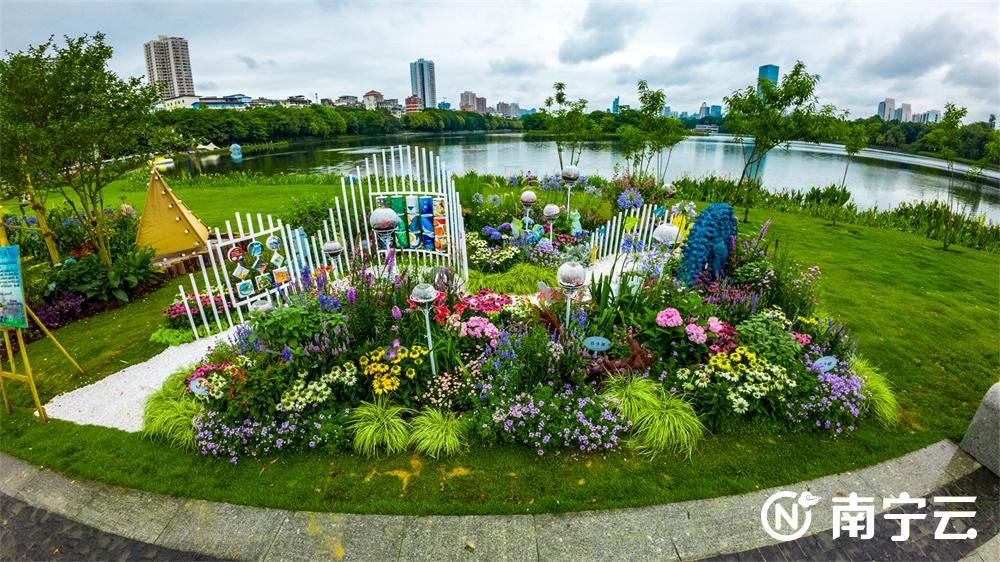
(26, 376)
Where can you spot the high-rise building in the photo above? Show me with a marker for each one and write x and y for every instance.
(414, 104)
(169, 65)
(467, 101)
(993, 120)
(614, 105)
(666, 111)
(422, 82)
(480, 105)
(767, 72)
(905, 113)
(503, 108)
(515, 110)
(886, 109)
(715, 111)
(703, 110)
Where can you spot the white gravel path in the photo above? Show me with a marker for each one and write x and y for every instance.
(117, 401)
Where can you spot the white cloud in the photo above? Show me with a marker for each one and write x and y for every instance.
(924, 54)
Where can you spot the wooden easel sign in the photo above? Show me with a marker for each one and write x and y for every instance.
(13, 318)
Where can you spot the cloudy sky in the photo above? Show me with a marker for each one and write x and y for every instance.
(924, 53)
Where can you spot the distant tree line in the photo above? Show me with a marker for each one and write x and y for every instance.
(973, 139)
(224, 127)
(606, 123)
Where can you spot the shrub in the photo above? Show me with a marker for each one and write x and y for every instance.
(767, 334)
(379, 426)
(169, 413)
(879, 397)
(90, 278)
(668, 423)
(172, 336)
(437, 432)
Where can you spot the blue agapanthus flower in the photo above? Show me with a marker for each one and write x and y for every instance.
(477, 198)
(630, 199)
(494, 199)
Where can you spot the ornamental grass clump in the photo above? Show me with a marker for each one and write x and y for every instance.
(437, 432)
(633, 394)
(667, 424)
(379, 426)
(880, 400)
(169, 412)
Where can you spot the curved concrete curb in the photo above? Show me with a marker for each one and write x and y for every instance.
(680, 531)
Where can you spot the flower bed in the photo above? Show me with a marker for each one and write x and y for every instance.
(651, 363)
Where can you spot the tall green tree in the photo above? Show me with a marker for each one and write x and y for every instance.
(26, 99)
(98, 126)
(569, 124)
(945, 137)
(854, 136)
(777, 114)
(650, 134)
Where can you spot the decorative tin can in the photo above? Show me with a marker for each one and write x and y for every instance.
(426, 205)
(441, 243)
(398, 203)
(428, 240)
(382, 200)
(412, 205)
(440, 226)
(438, 206)
(427, 224)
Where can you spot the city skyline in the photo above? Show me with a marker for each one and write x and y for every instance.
(929, 56)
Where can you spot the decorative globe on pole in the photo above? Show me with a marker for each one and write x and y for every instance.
(528, 199)
(384, 221)
(666, 233)
(263, 306)
(424, 294)
(569, 175)
(550, 213)
(333, 250)
(571, 277)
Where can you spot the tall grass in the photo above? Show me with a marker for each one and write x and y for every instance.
(379, 426)
(522, 279)
(660, 421)
(169, 412)
(937, 220)
(437, 432)
(880, 400)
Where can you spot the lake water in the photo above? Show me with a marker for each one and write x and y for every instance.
(875, 178)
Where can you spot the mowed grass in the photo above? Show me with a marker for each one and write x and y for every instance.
(926, 317)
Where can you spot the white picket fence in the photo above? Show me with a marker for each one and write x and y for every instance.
(399, 171)
(609, 242)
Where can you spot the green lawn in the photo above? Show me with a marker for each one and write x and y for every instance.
(929, 318)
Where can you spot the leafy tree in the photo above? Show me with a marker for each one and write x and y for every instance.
(651, 133)
(568, 123)
(778, 114)
(98, 126)
(26, 99)
(991, 151)
(945, 137)
(855, 137)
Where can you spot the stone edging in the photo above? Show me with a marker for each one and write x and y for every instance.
(679, 531)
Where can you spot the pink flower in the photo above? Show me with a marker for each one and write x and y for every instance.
(803, 339)
(715, 325)
(669, 318)
(695, 333)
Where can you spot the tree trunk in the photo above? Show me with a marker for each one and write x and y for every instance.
(843, 182)
(38, 207)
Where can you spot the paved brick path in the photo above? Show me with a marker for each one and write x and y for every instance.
(90, 520)
(921, 546)
(29, 533)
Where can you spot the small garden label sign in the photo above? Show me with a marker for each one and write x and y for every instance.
(597, 343)
(824, 364)
(12, 313)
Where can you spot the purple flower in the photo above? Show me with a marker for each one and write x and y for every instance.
(396, 313)
(350, 295)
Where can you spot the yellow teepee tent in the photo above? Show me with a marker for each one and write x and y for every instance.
(166, 224)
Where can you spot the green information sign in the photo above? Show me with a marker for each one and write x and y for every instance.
(12, 313)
